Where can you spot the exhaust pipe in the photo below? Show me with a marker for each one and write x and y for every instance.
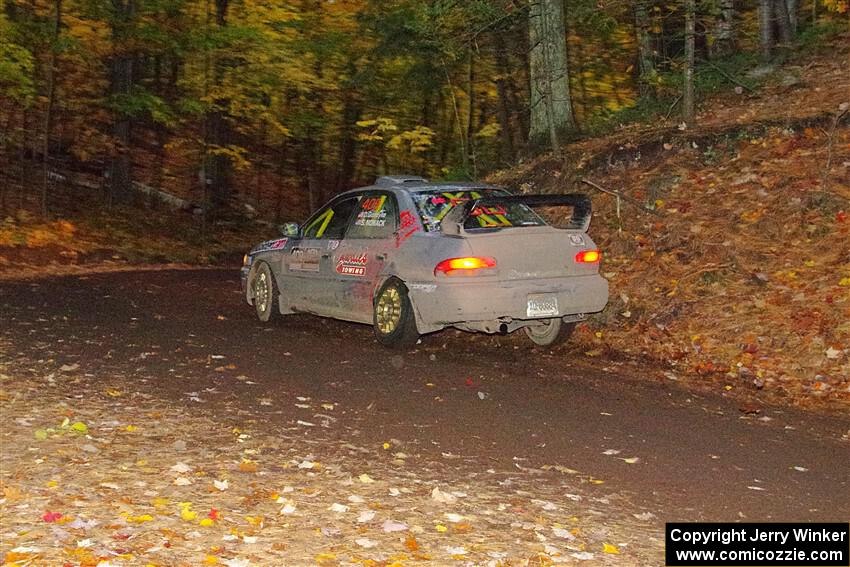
(503, 329)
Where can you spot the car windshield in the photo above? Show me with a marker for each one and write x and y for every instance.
(433, 206)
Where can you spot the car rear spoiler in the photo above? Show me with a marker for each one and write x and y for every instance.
(452, 223)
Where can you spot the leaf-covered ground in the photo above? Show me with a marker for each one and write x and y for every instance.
(729, 254)
(97, 470)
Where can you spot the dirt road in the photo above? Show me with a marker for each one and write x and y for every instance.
(532, 453)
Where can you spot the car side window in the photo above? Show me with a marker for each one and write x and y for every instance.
(376, 216)
(331, 221)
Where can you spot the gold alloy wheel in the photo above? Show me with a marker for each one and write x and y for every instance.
(261, 292)
(388, 310)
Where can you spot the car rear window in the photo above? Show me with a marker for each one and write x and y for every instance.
(433, 206)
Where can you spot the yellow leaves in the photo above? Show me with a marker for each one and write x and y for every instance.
(256, 521)
(609, 548)
(20, 558)
(838, 6)
(490, 130)
(365, 479)
(441, 528)
(844, 282)
(377, 129)
(236, 154)
(207, 522)
(752, 216)
(210, 560)
(186, 512)
(412, 141)
(139, 519)
(160, 502)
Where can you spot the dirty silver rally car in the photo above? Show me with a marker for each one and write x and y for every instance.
(411, 257)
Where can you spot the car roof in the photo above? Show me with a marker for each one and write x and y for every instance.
(415, 184)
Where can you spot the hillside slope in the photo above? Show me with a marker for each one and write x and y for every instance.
(729, 255)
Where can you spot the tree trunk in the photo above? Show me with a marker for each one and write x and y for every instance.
(783, 22)
(470, 112)
(688, 114)
(766, 37)
(24, 172)
(121, 78)
(551, 105)
(218, 168)
(724, 29)
(793, 7)
(351, 113)
(507, 151)
(646, 64)
(51, 99)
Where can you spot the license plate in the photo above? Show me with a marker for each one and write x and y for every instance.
(542, 306)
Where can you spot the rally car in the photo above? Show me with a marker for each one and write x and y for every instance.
(411, 257)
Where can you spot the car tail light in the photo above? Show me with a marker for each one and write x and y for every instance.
(467, 265)
(588, 257)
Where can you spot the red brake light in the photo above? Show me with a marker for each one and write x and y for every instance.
(588, 256)
(464, 265)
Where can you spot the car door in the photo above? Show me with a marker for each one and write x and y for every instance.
(308, 269)
(362, 255)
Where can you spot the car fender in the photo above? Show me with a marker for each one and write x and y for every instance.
(385, 275)
(256, 261)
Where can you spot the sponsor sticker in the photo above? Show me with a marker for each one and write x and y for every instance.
(352, 264)
(407, 226)
(276, 244)
(304, 260)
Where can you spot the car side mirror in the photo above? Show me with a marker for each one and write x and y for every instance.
(290, 230)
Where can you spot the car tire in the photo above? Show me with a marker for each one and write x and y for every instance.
(392, 316)
(265, 293)
(554, 331)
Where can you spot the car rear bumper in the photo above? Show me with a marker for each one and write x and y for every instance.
(453, 303)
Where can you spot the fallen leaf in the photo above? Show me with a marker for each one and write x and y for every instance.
(181, 468)
(393, 526)
(365, 516)
(442, 497)
(608, 548)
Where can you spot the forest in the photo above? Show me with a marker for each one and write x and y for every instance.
(272, 106)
